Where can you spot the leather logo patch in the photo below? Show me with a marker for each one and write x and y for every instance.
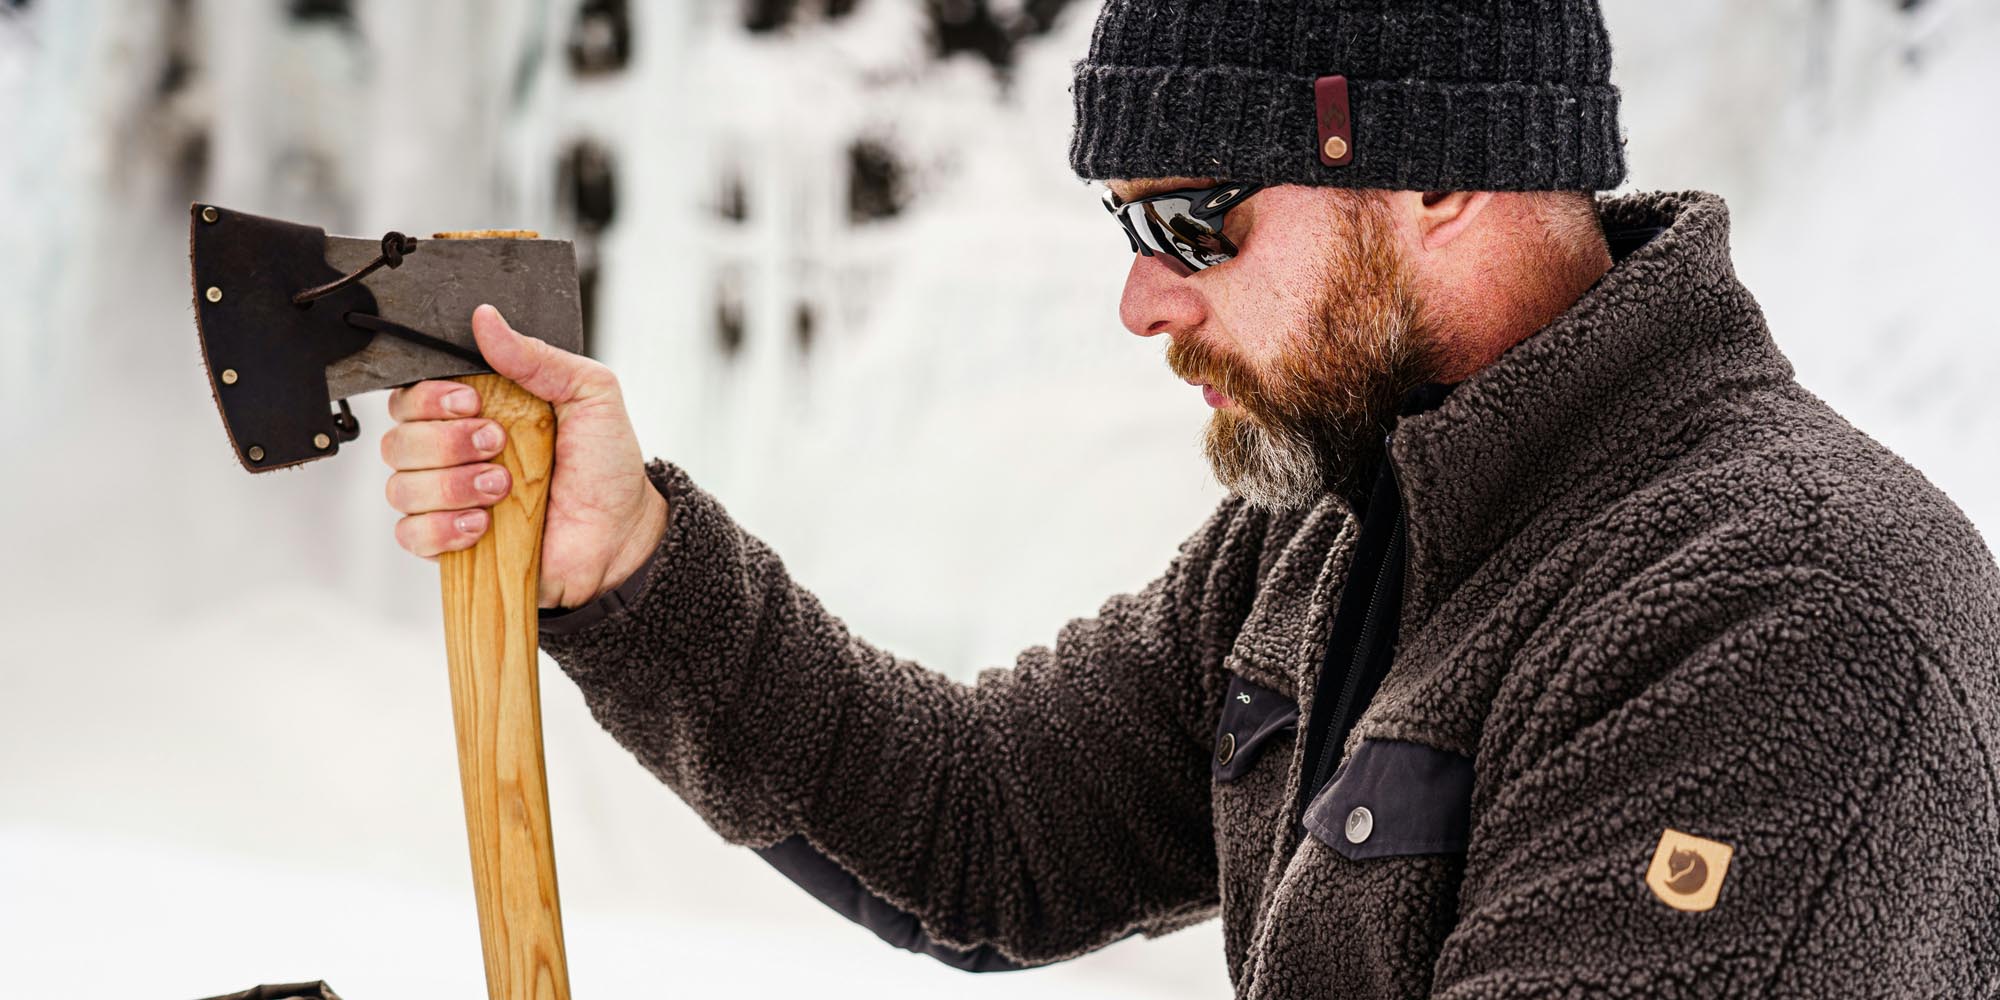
(1687, 870)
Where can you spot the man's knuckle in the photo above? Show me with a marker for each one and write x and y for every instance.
(443, 533)
(458, 489)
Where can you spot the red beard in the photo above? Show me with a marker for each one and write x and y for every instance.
(1313, 420)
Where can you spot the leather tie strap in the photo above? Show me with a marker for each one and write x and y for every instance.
(394, 246)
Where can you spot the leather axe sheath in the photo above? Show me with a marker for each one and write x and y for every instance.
(292, 322)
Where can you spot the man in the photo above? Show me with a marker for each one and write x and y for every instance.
(1553, 641)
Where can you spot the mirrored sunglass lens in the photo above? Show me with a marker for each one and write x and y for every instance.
(1146, 223)
(1194, 242)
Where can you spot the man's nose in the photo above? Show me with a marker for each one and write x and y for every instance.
(1157, 299)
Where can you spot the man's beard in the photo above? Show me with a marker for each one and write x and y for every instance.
(1315, 420)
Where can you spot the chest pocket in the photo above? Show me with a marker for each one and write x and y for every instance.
(1395, 798)
(1251, 715)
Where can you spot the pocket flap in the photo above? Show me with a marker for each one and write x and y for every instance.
(1251, 715)
(1392, 797)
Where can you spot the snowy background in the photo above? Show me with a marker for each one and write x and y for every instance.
(225, 739)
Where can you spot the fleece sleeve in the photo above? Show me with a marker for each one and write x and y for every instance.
(1043, 811)
(1822, 756)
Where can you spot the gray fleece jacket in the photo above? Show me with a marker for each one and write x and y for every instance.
(1696, 692)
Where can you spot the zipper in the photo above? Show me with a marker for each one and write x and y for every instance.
(1336, 734)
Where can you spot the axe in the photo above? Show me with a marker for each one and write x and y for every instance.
(294, 322)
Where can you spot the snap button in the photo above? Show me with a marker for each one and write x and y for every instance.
(1225, 748)
(1360, 823)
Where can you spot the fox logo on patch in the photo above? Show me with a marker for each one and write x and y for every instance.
(1687, 870)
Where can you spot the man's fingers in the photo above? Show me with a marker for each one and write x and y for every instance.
(427, 535)
(432, 401)
(458, 488)
(438, 444)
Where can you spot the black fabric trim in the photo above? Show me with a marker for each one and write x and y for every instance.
(797, 859)
(1251, 715)
(1424, 398)
(1623, 240)
(1373, 591)
(1419, 798)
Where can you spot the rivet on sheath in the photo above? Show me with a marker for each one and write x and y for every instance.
(256, 454)
(1336, 147)
(229, 376)
(209, 214)
(321, 441)
(214, 294)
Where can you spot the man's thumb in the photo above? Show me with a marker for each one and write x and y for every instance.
(546, 371)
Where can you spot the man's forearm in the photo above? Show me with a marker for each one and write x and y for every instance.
(1005, 812)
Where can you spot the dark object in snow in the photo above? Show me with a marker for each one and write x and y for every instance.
(875, 185)
(974, 26)
(733, 202)
(969, 26)
(765, 16)
(803, 323)
(339, 13)
(589, 186)
(291, 991)
(600, 39)
(729, 322)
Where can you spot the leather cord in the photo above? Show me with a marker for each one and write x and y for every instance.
(394, 246)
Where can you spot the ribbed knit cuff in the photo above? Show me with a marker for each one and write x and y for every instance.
(1253, 125)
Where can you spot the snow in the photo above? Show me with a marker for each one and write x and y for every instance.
(223, 695)
(133, 917)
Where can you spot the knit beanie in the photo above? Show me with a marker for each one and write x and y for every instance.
(1430, 95)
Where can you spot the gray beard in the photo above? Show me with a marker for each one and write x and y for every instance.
(1277, 470)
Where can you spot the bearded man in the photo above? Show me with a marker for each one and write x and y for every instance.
(1553, 641)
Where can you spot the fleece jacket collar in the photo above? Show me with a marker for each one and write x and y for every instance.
(1629, 358)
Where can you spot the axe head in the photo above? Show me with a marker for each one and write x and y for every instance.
(277, 367)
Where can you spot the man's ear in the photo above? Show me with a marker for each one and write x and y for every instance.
(1442, 216)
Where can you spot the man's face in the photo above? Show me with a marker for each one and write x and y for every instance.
(1304, 342)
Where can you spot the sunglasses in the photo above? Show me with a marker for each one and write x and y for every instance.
(1185, 226)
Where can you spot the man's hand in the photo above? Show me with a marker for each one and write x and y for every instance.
(604, 518)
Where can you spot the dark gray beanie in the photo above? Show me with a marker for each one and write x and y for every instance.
(1472, 95)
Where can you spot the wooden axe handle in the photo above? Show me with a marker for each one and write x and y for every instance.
(491, 640)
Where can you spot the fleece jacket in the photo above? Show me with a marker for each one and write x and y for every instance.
(1694, 692)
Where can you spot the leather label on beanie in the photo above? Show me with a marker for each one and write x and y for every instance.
(1336, 126)
(1687, 870)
